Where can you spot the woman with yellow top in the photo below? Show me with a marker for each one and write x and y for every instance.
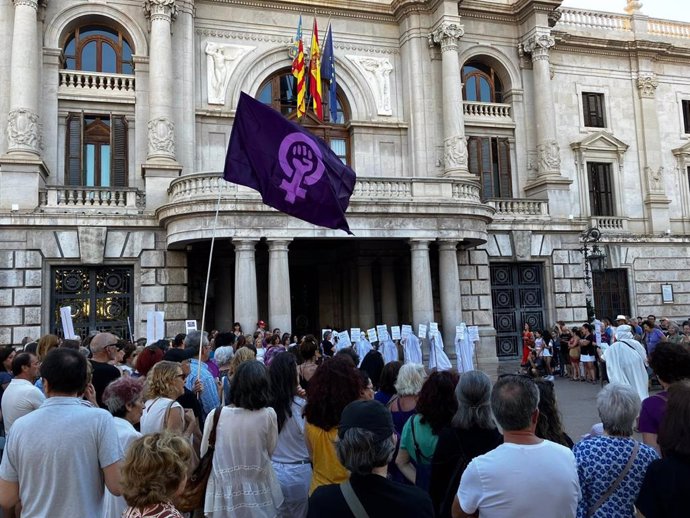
(333, 386)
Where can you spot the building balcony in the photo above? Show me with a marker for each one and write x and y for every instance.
(610, 224)
(95, 200)
(523, 209)
(80, 85)
(488, 114)
(379, 207)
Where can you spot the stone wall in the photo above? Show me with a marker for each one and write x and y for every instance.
(569, 286)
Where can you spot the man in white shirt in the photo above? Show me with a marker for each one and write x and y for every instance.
(510, 480)
(21, 396)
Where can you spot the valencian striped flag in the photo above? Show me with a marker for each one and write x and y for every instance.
(298, 71)
(315, 73)
(328, 74)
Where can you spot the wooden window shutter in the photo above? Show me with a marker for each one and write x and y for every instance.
(504, 176)
(474, 155)
(118, 146)
(73, 149)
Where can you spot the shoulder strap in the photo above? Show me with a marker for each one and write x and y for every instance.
(352, 501)
(616, 482)
(212, 437)
(418, 450)
(392, 401)
(167, 413)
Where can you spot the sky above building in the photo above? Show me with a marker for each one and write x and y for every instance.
(668, 9)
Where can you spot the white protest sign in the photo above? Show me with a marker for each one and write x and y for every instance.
(67, 324)
(406, 330)
(356, 334)
(382, 331)
(155, 326)
(474, 333)
(395, 332)
(459, 332)
(190, 325)
(422, 331)
(344, 339)
(371, 333)
(433, 328)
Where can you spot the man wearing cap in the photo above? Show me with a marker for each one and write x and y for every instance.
(366, 444)
(261, 327)
(493, 484)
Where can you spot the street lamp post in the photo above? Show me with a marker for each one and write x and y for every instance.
(594, 262)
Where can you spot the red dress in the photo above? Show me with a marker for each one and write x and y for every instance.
(527, 342)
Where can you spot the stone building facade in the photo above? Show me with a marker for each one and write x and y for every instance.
(486, 135)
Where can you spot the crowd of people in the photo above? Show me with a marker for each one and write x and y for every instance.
(292, 427)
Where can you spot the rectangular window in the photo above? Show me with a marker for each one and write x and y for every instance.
(593, 110)
(600, 189)
(339, 148)
(686, 115)
(96, 150)
(489, 158)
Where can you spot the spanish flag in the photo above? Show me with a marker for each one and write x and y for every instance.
(315, 73)
(298, 71)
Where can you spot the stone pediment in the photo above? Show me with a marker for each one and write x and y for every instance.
(600, 141)
(683, 150)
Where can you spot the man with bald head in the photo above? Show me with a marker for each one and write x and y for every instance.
(103, 349)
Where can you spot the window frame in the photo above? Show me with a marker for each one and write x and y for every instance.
(593, 116)
(609, 122)
(500, 178)
(595, 182)
(486, 72)
(116, 43)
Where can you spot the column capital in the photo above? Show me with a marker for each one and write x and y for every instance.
(447, 34)
(278, 245)
(419, 244)
(165, 10)
(646, 84)
(245, 245)
(29, 3)
(448, 245)
(538, 45)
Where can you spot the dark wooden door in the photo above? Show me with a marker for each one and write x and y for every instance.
(611, 296)
(517, 296)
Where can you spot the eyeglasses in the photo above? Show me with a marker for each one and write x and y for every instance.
(181, 376)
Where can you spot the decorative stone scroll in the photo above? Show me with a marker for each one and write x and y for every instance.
(161, 9)
(161, 133)
(377, 73)
(455, 153)
(221, 62)
(447, 35)
(23, 130)
(647, 83)
(548, 157)
(539, 46)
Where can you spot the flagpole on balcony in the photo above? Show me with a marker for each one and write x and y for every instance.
(208, 279)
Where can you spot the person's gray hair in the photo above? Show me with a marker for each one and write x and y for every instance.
(360, 452)
(410, 379)
(193, 339)
(223, 355)
(513, 401)
(618, 406)
(473, 393)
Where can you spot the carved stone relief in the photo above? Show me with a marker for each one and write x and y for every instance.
(221, 61)
(23, 130)
(655, 179)
(455, 153)
(548, 157)
(647, 83)
(377, 73)
(161, 137)
(539, 46)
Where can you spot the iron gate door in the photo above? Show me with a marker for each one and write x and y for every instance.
(517, 296)
(611, 296)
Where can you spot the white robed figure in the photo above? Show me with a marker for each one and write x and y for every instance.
(412, 350)
(389, 351)
(464, 349)
(363, 346)
(437, 356)
(625, 362)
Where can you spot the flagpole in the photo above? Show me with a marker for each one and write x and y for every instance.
(208, 280)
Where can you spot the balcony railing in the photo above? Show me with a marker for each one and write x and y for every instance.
(519, 208)
(111, 199)
(610, 223)
(80, 83)
(487, 110)
(593, 19)
(669, 28)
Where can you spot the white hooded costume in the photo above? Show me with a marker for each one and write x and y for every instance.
(625, 362)
(464, 351)
(412, 350)
(389, 351)
(437, 356)
(363, 346)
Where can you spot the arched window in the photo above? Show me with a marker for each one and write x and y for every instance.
(280, 92)
(97, 48)
(480, 83)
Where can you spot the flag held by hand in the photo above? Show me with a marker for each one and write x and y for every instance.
(295, 172)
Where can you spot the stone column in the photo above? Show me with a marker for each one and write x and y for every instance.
(389, 300)
(449, 284)
(23, 131)
(279, 308)
(161, 129)
(246, 303)
(448, 34)
(422, 298)
(366, 295)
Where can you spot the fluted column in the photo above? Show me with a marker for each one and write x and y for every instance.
(548, 151)
(366, 294)
(246, 302)
(389, 299)
(448, 34)
(279, 308)
(161, 128)
(23, 129)
(422, 298)
(449, 285)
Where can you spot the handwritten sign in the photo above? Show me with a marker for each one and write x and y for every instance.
(190, 325)
(356, 334)
(406, 330)
(474, 333)
(395, 332)
(422, 331)
(371, 333)
(344, 339)
(67, 323)
(155, 326)
(382, 331)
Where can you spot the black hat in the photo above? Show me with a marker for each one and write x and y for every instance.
(369, 415)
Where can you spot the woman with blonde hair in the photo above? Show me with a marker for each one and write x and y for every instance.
(164, 384)
(46, 344)
(153, 473)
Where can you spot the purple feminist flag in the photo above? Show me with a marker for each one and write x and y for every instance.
(295, 172)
